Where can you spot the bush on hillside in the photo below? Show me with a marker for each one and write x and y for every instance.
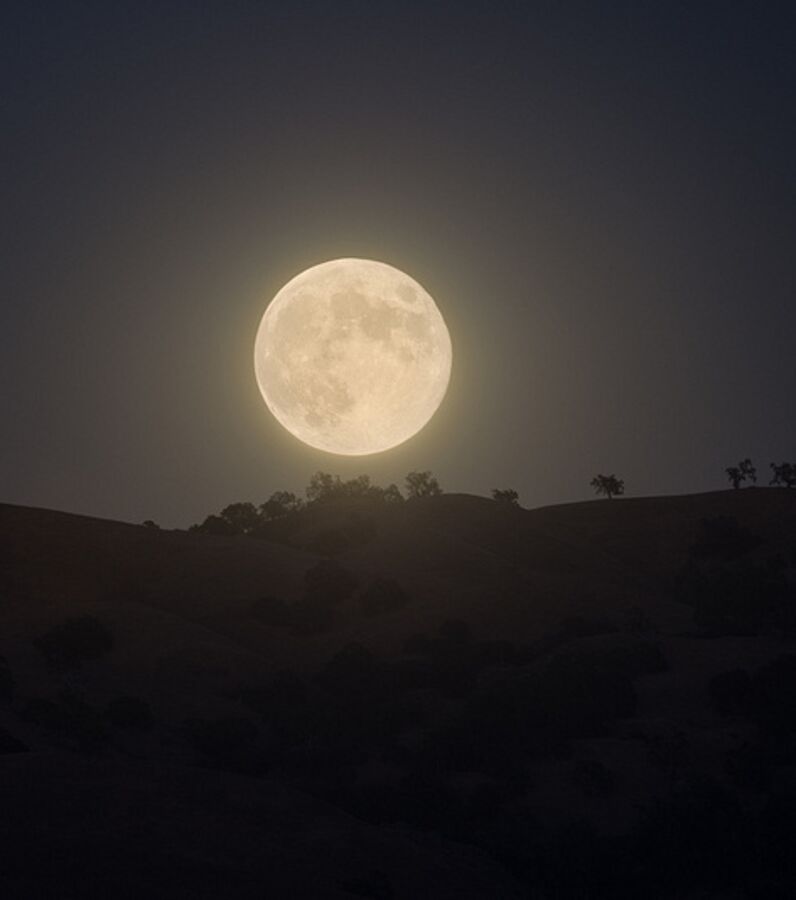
(272, 611)
(506, 496)
(594, 778)
(10, 744)
(352, 529)
(767, 697)
(723, 538)
(228, 743)
(329, 582)
(6, 681)
(75, 641)
(741, 597)
(69, 718)
(129, 714)
(279, 505)
(730, 692)
(324, 487)
(773, 697)
(382, 595)
(215, 525)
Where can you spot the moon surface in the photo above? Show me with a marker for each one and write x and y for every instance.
(352, 356)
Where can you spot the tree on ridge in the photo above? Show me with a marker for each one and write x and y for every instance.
(784, 474)
(744, 471)
(421, 484)
(506, 495)
(609, 485)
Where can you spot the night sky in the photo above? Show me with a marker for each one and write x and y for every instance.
(600, 198)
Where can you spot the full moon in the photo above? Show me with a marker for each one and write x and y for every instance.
(352, 356)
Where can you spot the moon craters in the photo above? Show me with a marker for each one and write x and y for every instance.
(353, 356)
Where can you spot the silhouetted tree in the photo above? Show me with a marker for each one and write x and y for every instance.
(75, 641)
(280, 503)
(507, 495)
(744, 471)
(735, 476)
(422, 484)
(148, 523)
(391, 494)
(784, 474)
(748, 470)
(214, 525)
(322, 486)
(241, 517)
(609, 485)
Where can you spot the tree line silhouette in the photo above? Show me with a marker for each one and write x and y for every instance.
(247, 518)
(784, 474)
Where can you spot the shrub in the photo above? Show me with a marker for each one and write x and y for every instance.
(739, 597)
(329, 582)
(773, 696)
(574, 627)
(353, 530)
(6, 681)
(507, 496)
(226, 742)
(68, 717)
(215, 525)
(706, 830)
(417, 645)
(594, 778)
(730, 692)
(241, 517)
(130, 714)
(636, 658)
(75, 641)
(286, 706)
(536, 709)
(353, 669)
(767, 697)
(10, 744)
(455, 631)
(272, 611)
(383, 595)
(374, 885)
(723, 538)
(280, 504)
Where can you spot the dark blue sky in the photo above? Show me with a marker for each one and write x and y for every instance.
(600, 197)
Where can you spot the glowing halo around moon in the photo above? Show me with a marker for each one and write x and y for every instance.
(352, 356)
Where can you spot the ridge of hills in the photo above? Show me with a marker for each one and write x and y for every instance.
(421, 680)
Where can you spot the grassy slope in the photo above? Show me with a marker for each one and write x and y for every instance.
(179, 607)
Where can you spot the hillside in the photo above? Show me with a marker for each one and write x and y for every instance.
(443, 682)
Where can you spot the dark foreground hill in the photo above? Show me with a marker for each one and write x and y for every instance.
(442, 698)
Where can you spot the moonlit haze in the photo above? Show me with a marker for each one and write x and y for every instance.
(598, 197)
(352, 356)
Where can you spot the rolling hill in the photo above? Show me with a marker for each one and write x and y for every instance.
(381, 700)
